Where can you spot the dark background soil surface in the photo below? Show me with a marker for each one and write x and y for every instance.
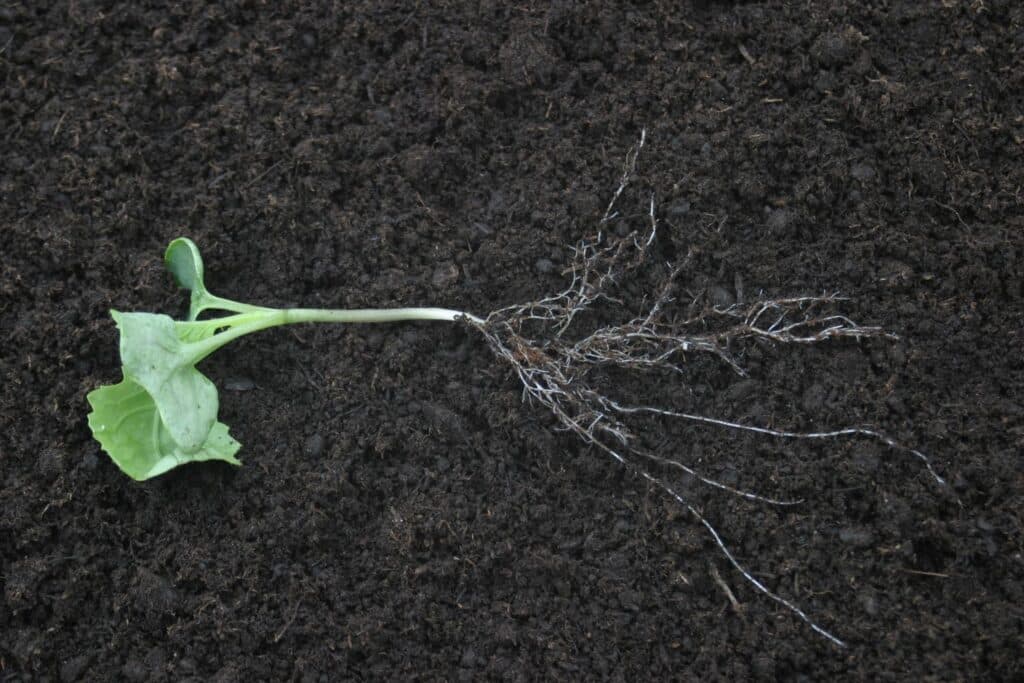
(401, 514)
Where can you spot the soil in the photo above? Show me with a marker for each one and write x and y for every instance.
(401, 514)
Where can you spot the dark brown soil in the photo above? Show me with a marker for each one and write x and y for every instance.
(401, 514)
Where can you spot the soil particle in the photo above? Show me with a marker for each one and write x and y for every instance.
(781, 222)
(314, 446)
(74, 668)
(445, 276)
(863, 172)
(153, 594)
(544, 266)
(856, 537)
(837, 47)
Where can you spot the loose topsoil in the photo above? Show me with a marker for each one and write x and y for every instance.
(401, 514)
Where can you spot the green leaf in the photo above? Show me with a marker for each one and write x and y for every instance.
(126, 422)
(155, 358)
(186, 265)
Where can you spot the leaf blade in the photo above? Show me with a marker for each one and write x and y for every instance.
(153, 356)
(183, 259)
(185, 263)
(127, 424)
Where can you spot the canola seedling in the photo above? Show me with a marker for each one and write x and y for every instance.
(163, 413)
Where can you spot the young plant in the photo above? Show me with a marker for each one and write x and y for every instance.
(163, 413)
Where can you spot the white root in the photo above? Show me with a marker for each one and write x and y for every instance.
(554, 369)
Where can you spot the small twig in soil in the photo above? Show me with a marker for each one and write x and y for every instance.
(736, 606)
(291, 620)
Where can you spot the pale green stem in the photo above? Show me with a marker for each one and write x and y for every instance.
(373, 315)
(261, 319)
(204, 301)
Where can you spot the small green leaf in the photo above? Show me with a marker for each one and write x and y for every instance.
(126, 422)
(154, 357)
(186, 265)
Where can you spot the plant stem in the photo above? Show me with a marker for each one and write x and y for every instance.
(209, 301)
(373, 315)
(262, 319)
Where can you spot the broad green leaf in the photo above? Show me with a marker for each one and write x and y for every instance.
(126, 422)
(155, 358)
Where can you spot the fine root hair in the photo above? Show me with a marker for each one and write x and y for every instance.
(555, 354)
